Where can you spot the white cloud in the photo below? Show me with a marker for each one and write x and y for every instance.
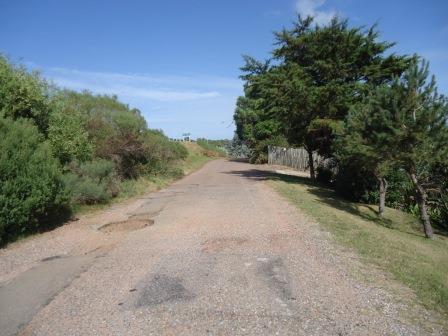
(154, 88)
(197, 104)
(311, 8)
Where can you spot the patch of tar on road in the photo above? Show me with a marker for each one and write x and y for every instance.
(163, 288)
(275, 274)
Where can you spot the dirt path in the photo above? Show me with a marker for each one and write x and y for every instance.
(216, 253)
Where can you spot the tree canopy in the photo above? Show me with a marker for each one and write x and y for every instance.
(339, 91)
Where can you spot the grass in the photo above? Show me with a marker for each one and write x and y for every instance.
(394, 243)
(212, 146)
(197, 157)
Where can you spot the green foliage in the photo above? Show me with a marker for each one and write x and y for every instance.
(68, 138)
(214, 147)
(259, 153)
(407, 122)
(114, 130)
(333, 66)
(110, 130)
(61, 146)
(163, 153)
(117, 133)
(320, 73)
(414, 119)
(92, 182)
(400, 193)
(320, 135)
(255, 124)
(324, 175)
(23, 95)
(237, 148)
(438, 197)
(354, 180)
(32, 193)
(336, 90)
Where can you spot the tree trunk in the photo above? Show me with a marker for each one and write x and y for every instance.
(311, 164)
(383, 189)
(421, 196)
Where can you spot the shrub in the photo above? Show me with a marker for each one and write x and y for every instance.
(162, 153)
(212, 147)
(259, 153)
(23, 95)
(438, 197)
(67, 136)
(92, 182)
(354, 182)
(31, 187)
(115, 131)
(324, 174)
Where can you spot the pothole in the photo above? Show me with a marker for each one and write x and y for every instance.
(134, 223)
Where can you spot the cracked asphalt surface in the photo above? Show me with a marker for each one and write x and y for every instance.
(224, 255)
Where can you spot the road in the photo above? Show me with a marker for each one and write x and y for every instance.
(217, 253)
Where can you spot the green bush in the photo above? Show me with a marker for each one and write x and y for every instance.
(67, 135)
(438, 197)
(86, 126)
(324, 174)
(215, 147)
(23, 95)
(31, 188)
(162, 154)
(92, 182)
(354, 182)
(259, 154)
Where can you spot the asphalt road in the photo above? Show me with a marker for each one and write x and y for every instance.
(226, 255)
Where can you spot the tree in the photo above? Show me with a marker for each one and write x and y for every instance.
(364, 142)
(290, 97)
(411, 120)
(256, 123)
(333, 67)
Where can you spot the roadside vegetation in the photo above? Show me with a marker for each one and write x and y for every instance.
(63, 150)
(214, 147)
(393, 242)
(374, 116)
(129, 188)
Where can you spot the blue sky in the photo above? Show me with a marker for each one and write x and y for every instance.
(178, 61)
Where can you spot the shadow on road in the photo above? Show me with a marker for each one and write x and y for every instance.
(322, 192)
(239, 160)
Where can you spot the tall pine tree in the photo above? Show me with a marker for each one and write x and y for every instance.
(409, 123)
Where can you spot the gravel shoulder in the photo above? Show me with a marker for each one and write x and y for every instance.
(223, 254)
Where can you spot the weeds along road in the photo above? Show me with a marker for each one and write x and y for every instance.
(218, 252)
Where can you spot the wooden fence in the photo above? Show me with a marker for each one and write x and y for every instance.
(296, 158)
